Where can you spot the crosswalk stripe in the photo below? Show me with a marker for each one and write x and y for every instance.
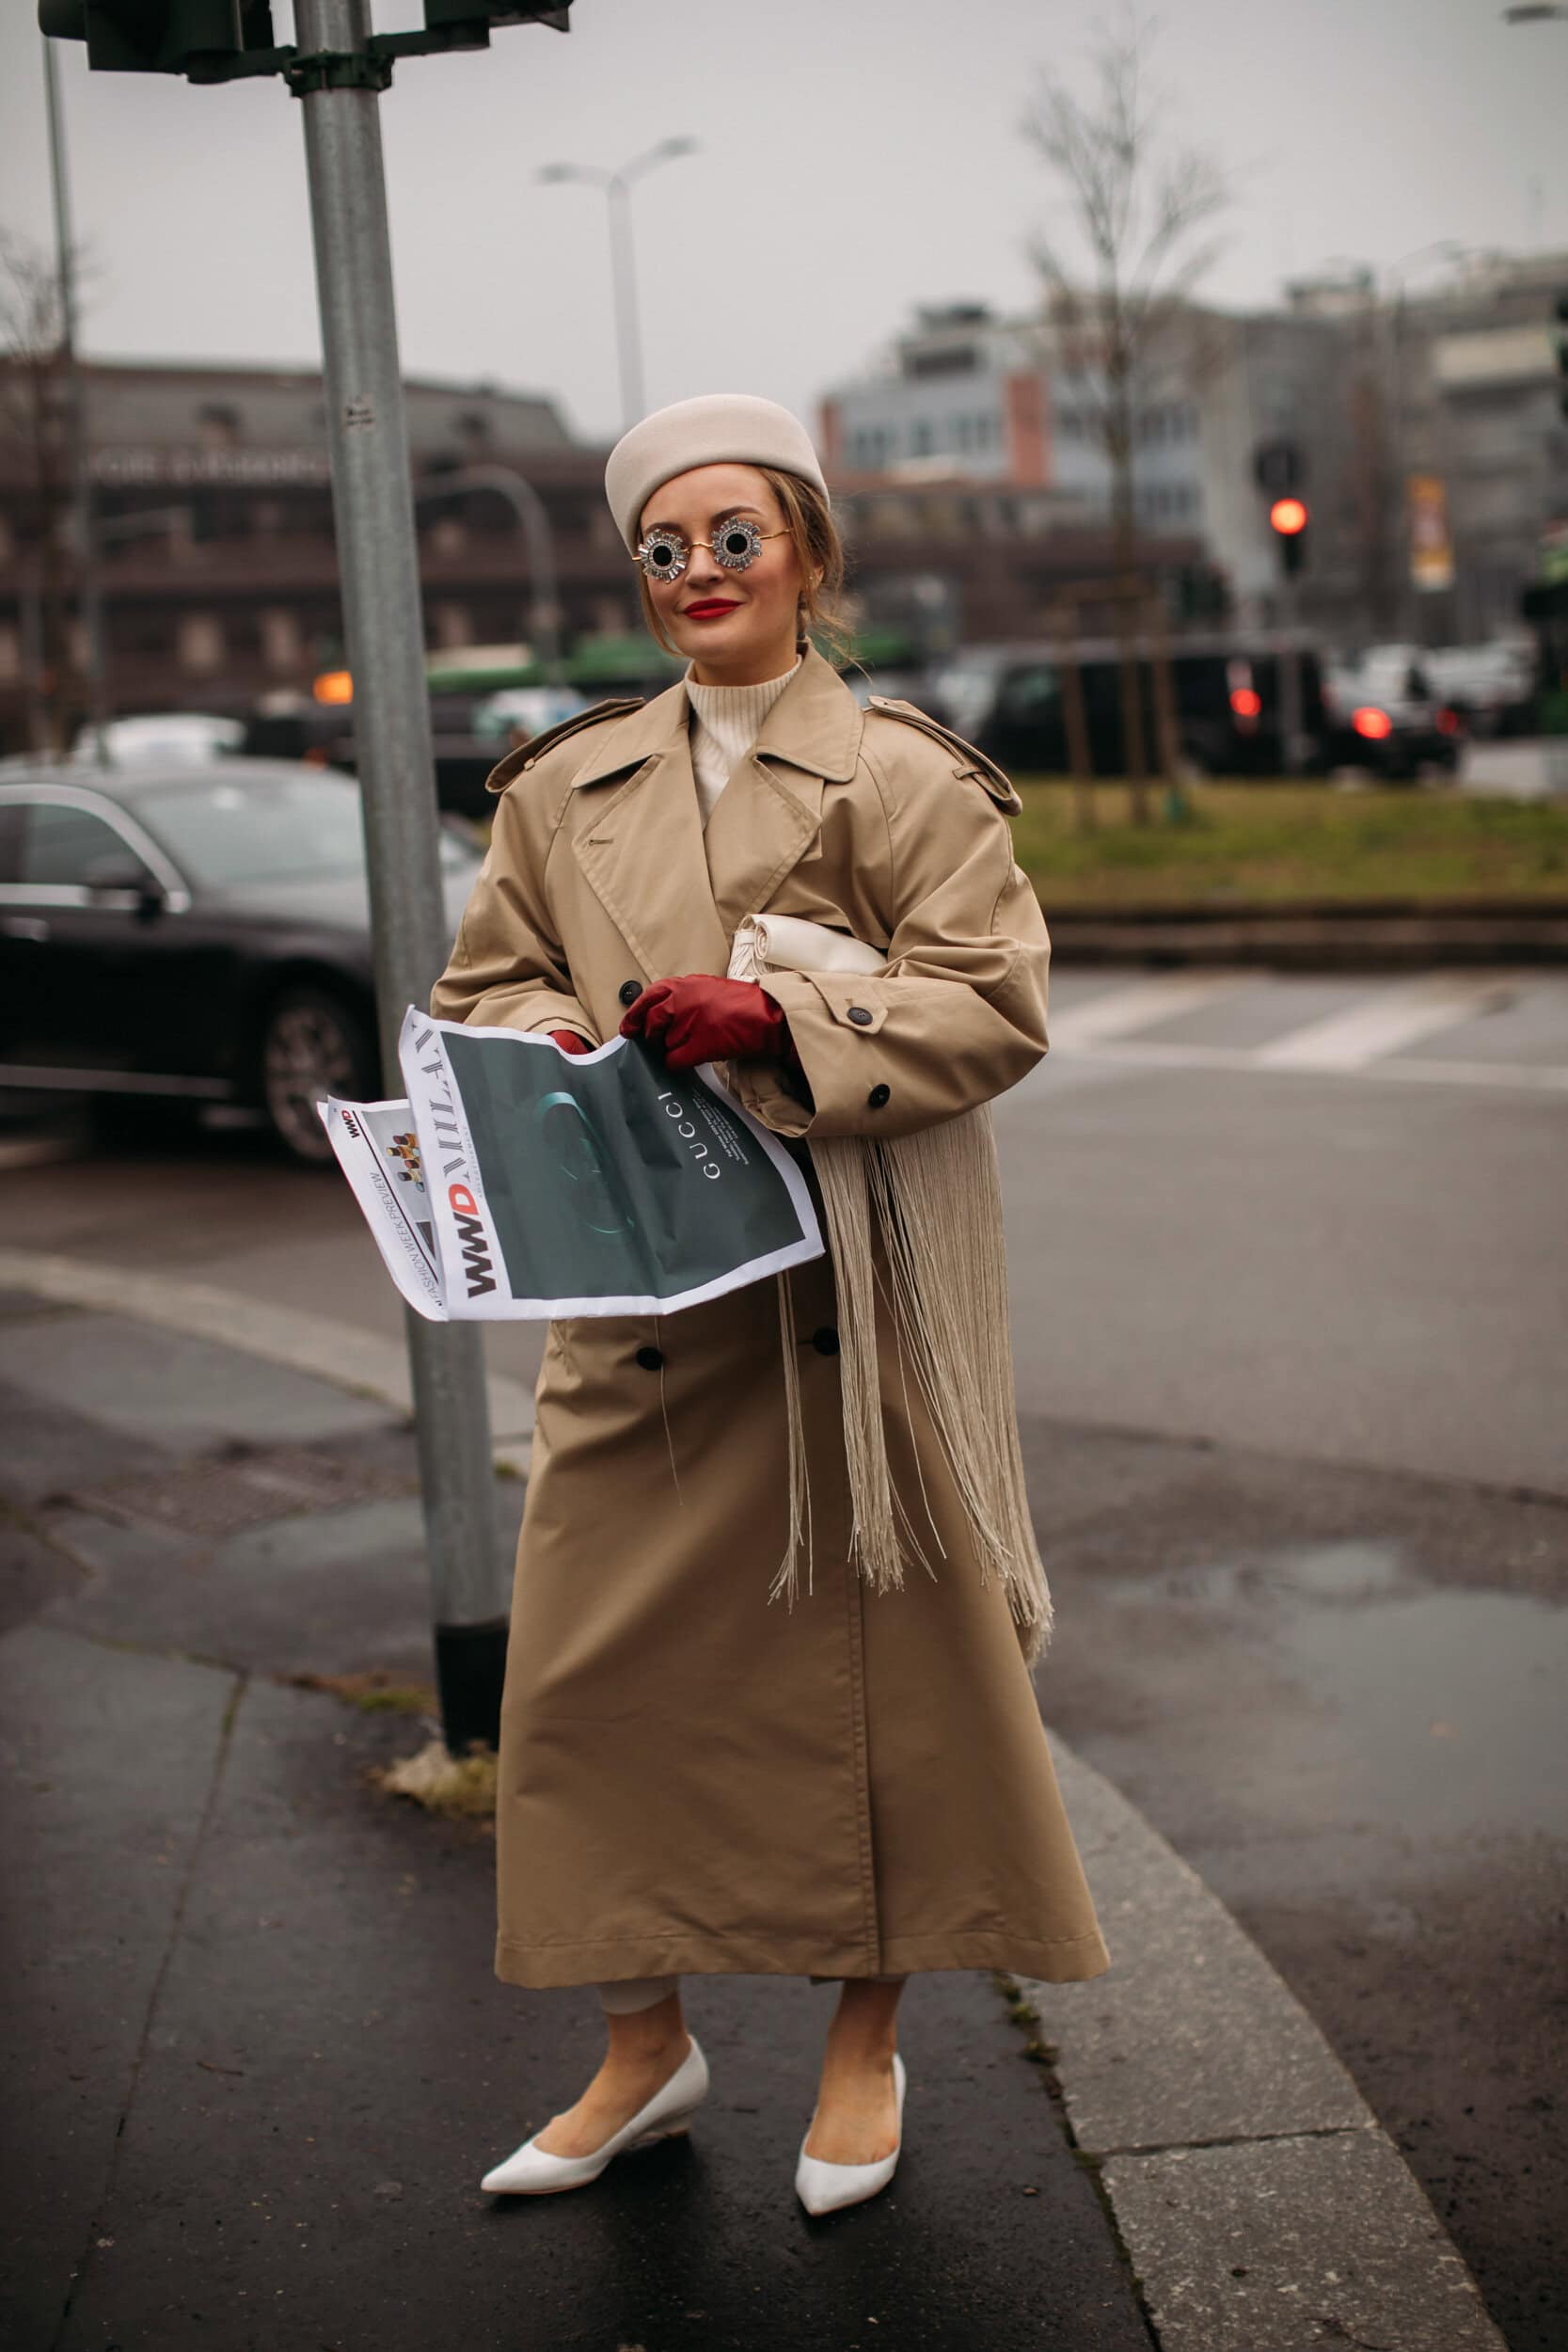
(1385, 1023)
(1143, 1003)
(1538, 1077)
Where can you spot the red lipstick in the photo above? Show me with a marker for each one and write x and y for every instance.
(709, 608)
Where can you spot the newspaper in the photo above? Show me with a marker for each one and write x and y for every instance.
(519, 1182)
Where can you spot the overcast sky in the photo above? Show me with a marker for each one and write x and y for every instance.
(858, 157)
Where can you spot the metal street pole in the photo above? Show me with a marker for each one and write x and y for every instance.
(89, 604)
(618, 186)
(622, 272)
(378, 562)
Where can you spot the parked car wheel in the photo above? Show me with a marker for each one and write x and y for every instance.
(313, 1044)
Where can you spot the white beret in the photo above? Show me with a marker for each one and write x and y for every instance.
(716, 429)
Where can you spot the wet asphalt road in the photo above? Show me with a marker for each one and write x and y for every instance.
(1293, 1353)
(1294, 1359)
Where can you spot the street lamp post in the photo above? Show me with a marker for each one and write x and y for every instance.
(532, 513)
(617, 186)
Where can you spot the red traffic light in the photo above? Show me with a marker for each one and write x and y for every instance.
(1287, 517)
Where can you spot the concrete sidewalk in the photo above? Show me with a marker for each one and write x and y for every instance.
(256, 2059)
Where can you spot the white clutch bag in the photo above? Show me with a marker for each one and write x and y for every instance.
(787, 943)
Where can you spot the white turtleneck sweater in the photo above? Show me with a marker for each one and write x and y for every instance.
(726, 723)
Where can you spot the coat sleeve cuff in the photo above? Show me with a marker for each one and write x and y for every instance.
(826, 1011)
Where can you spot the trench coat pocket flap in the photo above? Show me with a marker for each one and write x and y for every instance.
(856, 1004)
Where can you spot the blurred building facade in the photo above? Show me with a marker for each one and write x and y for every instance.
(968, 469)
(972, 494)
(1464, 438)
(1433, 449)
(217, 566)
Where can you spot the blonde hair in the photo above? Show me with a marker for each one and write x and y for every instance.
(819, 553)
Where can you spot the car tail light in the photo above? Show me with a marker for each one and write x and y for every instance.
(1374, 724)
(1246, 702)
(1447, 723)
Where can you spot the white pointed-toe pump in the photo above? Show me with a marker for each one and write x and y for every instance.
(823, 2187)
(531, 2172)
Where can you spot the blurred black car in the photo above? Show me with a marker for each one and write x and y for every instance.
(198, 932)
(1227, 691)
(1386, 715)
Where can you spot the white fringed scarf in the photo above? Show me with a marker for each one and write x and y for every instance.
(933, 1200)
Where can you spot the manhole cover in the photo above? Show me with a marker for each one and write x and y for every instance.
(216, 1498)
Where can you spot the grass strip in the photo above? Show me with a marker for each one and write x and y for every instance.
(1238, 844)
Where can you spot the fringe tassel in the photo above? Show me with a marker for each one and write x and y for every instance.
(937, 1197)
(874, 1518)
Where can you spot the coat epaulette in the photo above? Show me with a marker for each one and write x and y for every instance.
(985, 771)
(537, 745)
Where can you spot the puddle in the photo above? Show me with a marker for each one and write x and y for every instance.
(1353, 1571)
(1347, 1571)
(1420, 1714)
(1450, 1708)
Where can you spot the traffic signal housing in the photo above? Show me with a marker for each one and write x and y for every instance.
(210, 40)
(1288, 519)
(224, 40)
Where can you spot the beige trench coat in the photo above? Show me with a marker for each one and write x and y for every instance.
(693, 1778)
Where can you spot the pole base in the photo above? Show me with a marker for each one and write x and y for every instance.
(471, 1670)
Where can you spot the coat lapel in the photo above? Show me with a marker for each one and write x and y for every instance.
(638, 840)
(770, 814)
(674, 895)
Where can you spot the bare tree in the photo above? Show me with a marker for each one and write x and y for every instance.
(1132, 204)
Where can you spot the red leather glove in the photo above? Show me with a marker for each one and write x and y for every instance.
(699, 1018)
(570, 1042)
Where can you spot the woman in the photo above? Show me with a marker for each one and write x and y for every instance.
(768, 1705)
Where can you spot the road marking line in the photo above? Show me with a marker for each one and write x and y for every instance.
(1142, 1004)
(1382, 1024)
(359, 1362)
(1535, 1077)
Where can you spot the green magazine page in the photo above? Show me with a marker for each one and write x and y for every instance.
(596, 1184)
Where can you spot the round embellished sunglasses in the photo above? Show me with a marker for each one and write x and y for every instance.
(735, 545)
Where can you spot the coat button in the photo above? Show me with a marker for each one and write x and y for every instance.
(877, 1096)
(860, 1016)
(651, 1358)
(630, 991)
(826, 1340)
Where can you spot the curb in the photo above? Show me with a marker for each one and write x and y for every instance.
(325, 1349)
(1380, 936)
(1260, 2204)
